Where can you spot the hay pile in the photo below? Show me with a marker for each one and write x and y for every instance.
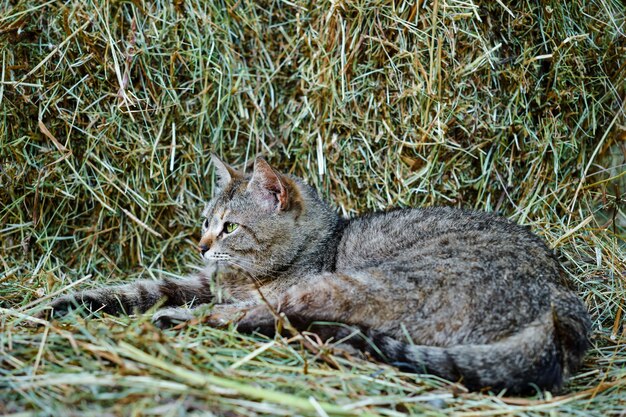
(108, 113)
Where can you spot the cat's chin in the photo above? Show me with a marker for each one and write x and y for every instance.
(211, 266)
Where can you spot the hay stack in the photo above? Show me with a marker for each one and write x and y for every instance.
(109, 110)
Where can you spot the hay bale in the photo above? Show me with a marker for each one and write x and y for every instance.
(111, 108)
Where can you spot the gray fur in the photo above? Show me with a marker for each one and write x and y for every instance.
(483, 299)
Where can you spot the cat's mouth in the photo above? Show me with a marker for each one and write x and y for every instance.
(216, 256)
(225, 260)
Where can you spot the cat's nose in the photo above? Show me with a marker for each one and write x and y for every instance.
(205, 243)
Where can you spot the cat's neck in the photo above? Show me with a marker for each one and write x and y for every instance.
(321, 252)
(320, 229)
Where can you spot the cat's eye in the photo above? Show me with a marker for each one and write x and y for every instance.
(205, 224)
(230, 227)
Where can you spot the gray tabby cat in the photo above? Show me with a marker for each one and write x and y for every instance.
(483, 300)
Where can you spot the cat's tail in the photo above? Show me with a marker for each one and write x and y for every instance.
(541, 355)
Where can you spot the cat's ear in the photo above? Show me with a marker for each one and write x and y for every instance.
(224, 173)
(267, 186)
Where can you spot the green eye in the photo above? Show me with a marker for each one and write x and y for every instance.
(230, 227)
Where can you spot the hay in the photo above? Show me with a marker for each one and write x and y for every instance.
(108, 113)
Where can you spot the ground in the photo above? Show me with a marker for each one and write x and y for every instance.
(109, 110)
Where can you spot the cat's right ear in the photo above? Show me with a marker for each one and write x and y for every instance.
(224, 173)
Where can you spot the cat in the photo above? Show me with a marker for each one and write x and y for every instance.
(468, 296)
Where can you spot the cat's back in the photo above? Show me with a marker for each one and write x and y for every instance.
(440, 237)
(454, 274)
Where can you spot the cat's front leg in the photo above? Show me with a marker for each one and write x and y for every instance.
(321, 298)
(219, 315)
(136, 297)
(172, 316)
(247, 318)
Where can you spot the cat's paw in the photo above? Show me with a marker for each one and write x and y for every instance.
(80, 301)
(222, 315)
(170, 317)
(61, 306)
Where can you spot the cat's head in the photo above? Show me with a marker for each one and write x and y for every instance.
(262, 222)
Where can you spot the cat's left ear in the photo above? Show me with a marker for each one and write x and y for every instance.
(267, 186)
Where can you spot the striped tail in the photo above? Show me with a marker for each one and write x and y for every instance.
(542, 355)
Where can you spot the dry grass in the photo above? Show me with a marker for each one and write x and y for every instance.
(109, 110)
